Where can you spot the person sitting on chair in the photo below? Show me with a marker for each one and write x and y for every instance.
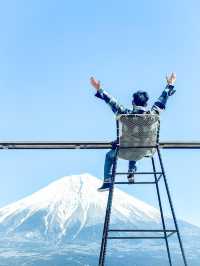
(139, 106)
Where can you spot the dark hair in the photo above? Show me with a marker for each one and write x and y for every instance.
(140, 98)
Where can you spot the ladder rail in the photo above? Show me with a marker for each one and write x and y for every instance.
(108, 214)
(161, 213)
(171, 206)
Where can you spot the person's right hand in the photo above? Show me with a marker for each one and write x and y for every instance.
(95, 83)
(171, 79)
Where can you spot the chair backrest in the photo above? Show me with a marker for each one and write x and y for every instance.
(138, 130)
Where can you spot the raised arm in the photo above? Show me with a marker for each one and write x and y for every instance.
(102, 94)
(160, 104)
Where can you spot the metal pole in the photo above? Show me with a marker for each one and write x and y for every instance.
(161, 212)
(171, 206)
(109, 205)
(108, 213)
(65, 145)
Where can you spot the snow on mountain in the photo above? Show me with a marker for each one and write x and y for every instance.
(62, 224)
(67, 206)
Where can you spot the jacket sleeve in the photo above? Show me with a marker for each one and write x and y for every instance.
(114, 105)
(160, 104)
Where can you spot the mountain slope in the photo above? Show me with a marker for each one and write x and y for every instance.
(71, 204)
(62, 224)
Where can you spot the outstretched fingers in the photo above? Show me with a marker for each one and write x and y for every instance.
(95, 83)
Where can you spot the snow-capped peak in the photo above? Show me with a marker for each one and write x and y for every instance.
(71, 204)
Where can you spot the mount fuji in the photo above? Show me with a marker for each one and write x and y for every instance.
(62, 224)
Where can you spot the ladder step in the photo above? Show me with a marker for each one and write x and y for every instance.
(139, 173)
(136, 237)
(171, 232)
(134, 183)
(141, 230)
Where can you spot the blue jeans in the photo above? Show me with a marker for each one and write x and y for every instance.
(110, 156)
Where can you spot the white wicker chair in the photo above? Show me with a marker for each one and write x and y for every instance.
(138, 131)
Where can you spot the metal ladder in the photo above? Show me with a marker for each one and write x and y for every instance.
(158, 175)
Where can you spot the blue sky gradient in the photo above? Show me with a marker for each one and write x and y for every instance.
(48, 51)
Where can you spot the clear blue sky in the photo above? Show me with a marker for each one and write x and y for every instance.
(49, 49)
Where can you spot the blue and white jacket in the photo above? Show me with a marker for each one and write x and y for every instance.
(117, 108)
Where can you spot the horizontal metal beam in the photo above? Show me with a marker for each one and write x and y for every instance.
(87, 145)
(180, 144)
(54, 145)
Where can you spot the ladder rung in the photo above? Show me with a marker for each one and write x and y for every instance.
(136, 237)
(137, 147)
(134, 183)
(142, 230)
(139, 173)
